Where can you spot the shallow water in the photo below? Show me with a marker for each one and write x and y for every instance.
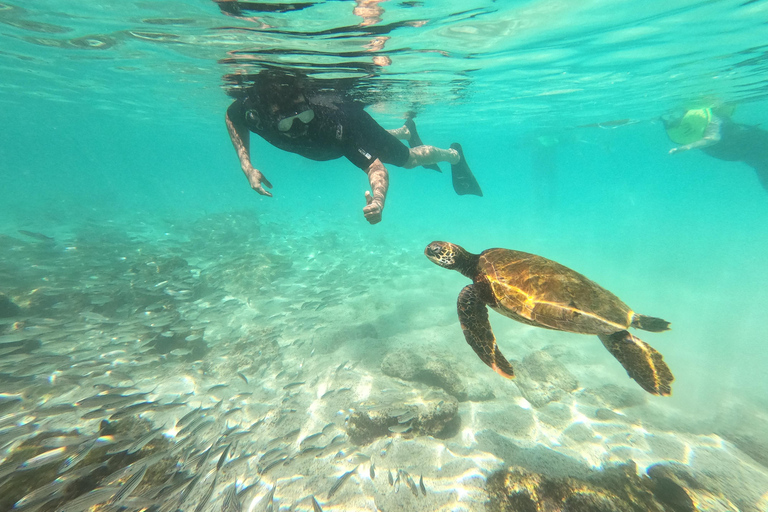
(113, 145)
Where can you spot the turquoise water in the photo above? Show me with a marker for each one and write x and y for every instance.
(113, 119)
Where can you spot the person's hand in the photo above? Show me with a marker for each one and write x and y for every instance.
(372, 210)
(255, 178)
(679, 149)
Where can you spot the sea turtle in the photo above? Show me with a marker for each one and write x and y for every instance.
(540, 292)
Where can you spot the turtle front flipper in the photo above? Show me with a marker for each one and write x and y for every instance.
(473, 316)
(642, 362)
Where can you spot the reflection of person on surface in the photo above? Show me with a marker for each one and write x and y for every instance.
(288, 113)
(712, 131)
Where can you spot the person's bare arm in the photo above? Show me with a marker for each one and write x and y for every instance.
(711, 136)
(240, 136)
(379, 180)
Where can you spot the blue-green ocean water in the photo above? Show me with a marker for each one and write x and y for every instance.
(128, 129)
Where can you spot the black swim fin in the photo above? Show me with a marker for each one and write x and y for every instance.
(464, 181)
(416, 141)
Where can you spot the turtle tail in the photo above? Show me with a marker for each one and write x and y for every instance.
(649, 323)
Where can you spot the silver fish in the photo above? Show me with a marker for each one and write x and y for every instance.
(81, 452)
(144, 440)
(343, 478)
(421, 485)
(272, 464)
(411, 484)
(271, 454)
(96, 413)
(316, 505)
(310, 438)
(89, 500)
(196, 426)
(359, 457)
(405, 418)
(133, 409)
(270, 499)
(223, 457)
(55, 488)
(207, 496)
(372, 470)
(129, 486)
(231, 501)
(311, 449)
(389, 478)
(384, 450)
(44, 458)
(55, 410)
(188, 490)
(191, 415)
(400, 428)
(57, 442)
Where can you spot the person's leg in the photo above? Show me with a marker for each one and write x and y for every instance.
(427, 155)
(391, 151)
(402, 133)
(420, 153)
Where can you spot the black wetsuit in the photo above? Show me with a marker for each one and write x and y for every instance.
(742, 143)
(337, 129)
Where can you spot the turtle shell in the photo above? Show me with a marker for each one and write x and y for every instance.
(543, 293)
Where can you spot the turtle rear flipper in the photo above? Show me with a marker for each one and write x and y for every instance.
(473, 316)
(642, 362)
(649, 323)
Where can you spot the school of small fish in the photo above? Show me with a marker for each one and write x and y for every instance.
(128, 382)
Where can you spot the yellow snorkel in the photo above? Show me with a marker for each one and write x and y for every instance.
(691, 127)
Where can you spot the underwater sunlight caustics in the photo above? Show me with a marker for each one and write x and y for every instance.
(176, 339)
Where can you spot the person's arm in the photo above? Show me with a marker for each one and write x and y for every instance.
(379, 180)
(240, 136)
(711, 136)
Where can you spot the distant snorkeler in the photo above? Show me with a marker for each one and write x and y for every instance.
(712, 131)
(292, 113)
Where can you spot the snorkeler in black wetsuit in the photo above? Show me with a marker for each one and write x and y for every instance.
(719, 137)
(290, 115)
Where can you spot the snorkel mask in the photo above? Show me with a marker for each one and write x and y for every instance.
(689, 127)
(286, 123)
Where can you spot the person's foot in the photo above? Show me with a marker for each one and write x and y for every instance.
(464, 181)
(415, 140)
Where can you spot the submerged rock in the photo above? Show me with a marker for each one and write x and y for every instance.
(613, 397)
(543, 379)
(402, 364)
(8, 308)
(615, 489)
(677, 489)
(434, 371)
(439, 374)
(518, 490)
(436, 416)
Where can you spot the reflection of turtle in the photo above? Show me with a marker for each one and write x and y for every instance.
(542, 293)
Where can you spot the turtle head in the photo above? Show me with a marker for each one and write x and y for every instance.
(451, 256)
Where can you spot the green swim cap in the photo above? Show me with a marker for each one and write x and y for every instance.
(691, 127)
